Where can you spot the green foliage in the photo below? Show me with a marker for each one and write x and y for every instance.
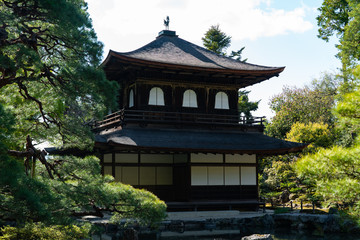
(138, 205)
(36, 231)
(336, 172)
(49, 72)
(315, 134)
(282, 210)
(237, 54)
(342, 18)
(6, 128)
(309, 104)
(215, 40)
(348, 126)
(52, 88)
(301, 115)
(244, 105)
(333, 18)
(78, 188)
(21, 198)
(81, 188)
(278, 175)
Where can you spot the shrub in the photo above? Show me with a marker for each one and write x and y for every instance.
(38, 231)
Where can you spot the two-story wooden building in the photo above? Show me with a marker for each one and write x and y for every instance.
(179, 133)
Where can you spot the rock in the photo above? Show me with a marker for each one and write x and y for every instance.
(130, 234)
(267, 221)
(258, 237)
(177, 226)
(284, 196)
(210, 225)
(301, 226)
(293, 196)
(333, 211)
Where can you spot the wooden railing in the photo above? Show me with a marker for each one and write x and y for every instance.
(152, 117)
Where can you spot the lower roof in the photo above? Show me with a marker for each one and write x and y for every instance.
(189, 140)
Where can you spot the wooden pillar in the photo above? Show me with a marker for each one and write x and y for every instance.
(207, 100)
(101, 157)
(113, 165)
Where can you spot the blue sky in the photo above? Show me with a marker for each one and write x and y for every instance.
(274, 33)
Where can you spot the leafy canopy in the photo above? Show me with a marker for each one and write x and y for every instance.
(52, 88)
(49, 75)
(336, 170)
(244, 105)
(342, 18)
(309, 104)
(315, 134)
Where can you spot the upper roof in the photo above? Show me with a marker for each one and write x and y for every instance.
(173, 52)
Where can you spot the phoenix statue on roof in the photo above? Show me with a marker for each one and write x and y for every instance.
(166, 22)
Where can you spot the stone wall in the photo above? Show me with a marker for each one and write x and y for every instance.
(315, 224)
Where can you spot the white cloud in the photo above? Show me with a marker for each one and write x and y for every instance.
(125, 25)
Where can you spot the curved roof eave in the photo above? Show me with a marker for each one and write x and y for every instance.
(172, 140)
(142, 62)
(262, 152)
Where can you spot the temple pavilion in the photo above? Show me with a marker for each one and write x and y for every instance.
(178, 132)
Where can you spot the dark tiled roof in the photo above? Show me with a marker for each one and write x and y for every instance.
(170, 49)
(197, 141)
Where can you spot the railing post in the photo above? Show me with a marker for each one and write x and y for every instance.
(313, 206)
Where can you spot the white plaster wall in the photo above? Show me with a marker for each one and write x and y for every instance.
(215, 176)
(248, 175)
(198, 176)
(130, 175)
(156, 158)
(164, 176)
(232, 176)
(108, 158)
(206, 158)
(147, 175)
(126, 158)
(118, 175)
(180, 158)
(240, 158)
(108, 170)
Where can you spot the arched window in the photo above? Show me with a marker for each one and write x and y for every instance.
(189, 99)
(131, 98)
(156, 97)
(221, 101)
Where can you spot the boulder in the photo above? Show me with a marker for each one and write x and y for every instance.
(284, 196)
(293, 196)
(333, 211)
(258, 237)
(130, 234)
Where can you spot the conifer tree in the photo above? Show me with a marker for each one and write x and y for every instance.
(52, 89)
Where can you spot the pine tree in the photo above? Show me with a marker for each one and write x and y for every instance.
(51, 89)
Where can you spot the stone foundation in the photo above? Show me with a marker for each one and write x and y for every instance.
(316, 224)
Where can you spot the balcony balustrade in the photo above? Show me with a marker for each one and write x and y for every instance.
(144, 118)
